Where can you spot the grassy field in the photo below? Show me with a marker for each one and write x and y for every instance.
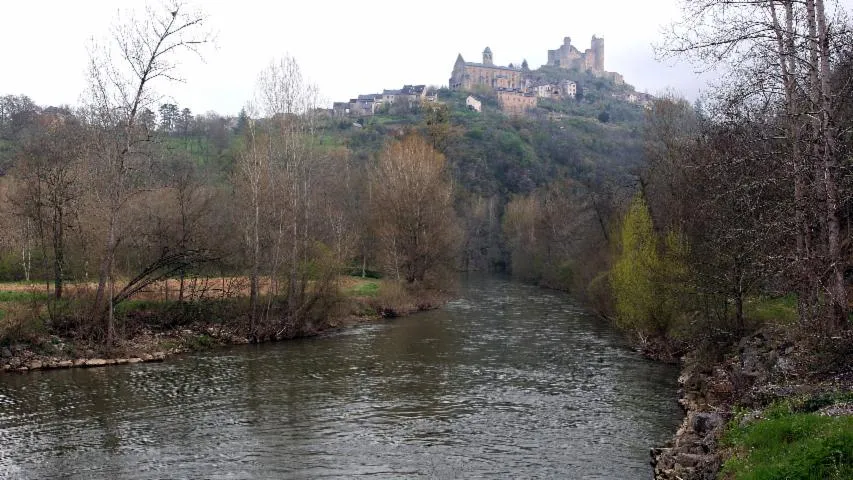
(21, 296)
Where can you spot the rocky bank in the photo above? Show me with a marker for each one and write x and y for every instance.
(764, 367)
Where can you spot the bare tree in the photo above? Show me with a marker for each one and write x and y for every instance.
(413, 207)
(52, 186)
(288, 101)
(252, 167)
(782, 54)
(121, 82)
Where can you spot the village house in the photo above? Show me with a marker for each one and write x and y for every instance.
(473, 104)
(340, 109)
(413, 94)
(547, 90)
(365, 105)
(564, 89)
(569, 88)
(368, 105)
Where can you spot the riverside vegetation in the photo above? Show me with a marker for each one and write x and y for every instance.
(717, 232)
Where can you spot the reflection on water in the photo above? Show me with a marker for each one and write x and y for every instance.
(508, 381)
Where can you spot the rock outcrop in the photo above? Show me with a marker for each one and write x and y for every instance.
(764, 367)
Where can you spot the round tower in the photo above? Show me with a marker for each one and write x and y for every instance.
(487, 56)
(597, 54)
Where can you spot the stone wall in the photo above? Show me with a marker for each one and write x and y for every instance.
(515, 102)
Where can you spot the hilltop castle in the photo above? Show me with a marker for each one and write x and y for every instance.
(570, 58)
(468, 75)
(590, 60)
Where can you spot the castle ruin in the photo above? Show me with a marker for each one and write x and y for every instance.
(570, 58)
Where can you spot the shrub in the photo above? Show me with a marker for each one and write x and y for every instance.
(647, 277)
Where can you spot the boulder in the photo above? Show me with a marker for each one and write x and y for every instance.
(706, 422)
(688, 460)
(36, 365)
(95, 362)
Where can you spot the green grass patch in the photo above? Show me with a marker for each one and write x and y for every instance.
(21, 296)
(772, 309)
(366, 289)
(199, 342)
(133, 305)
(791, 445)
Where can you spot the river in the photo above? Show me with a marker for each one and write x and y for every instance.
(507, 381)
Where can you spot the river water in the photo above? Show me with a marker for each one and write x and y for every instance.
(508, 381)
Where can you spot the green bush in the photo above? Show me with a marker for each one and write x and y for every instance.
(647, 277)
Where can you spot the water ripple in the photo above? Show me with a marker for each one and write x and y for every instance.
(507, 381)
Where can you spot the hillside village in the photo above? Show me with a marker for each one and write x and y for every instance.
(518, 89)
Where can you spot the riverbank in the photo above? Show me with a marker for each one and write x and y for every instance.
(770, 383)
(149, 338)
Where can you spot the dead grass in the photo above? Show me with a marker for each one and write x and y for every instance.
(195, 288)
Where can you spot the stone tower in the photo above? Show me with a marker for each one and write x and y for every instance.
(597, 54)
(487, 56)
(457, 77)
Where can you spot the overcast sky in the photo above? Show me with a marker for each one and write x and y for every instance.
(345, 47)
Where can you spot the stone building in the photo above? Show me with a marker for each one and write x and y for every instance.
(469, 75)
(365, 105)
(516, 102)
(411, 94)
(546, 90)
(556, 91)
(569, 88)
(368, 105)
(341, 109)
(570, 58)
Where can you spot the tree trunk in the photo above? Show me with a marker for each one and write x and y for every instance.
(831, 166)
(806, 279)
(58, 252)
(256, 248)
(181, 285)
